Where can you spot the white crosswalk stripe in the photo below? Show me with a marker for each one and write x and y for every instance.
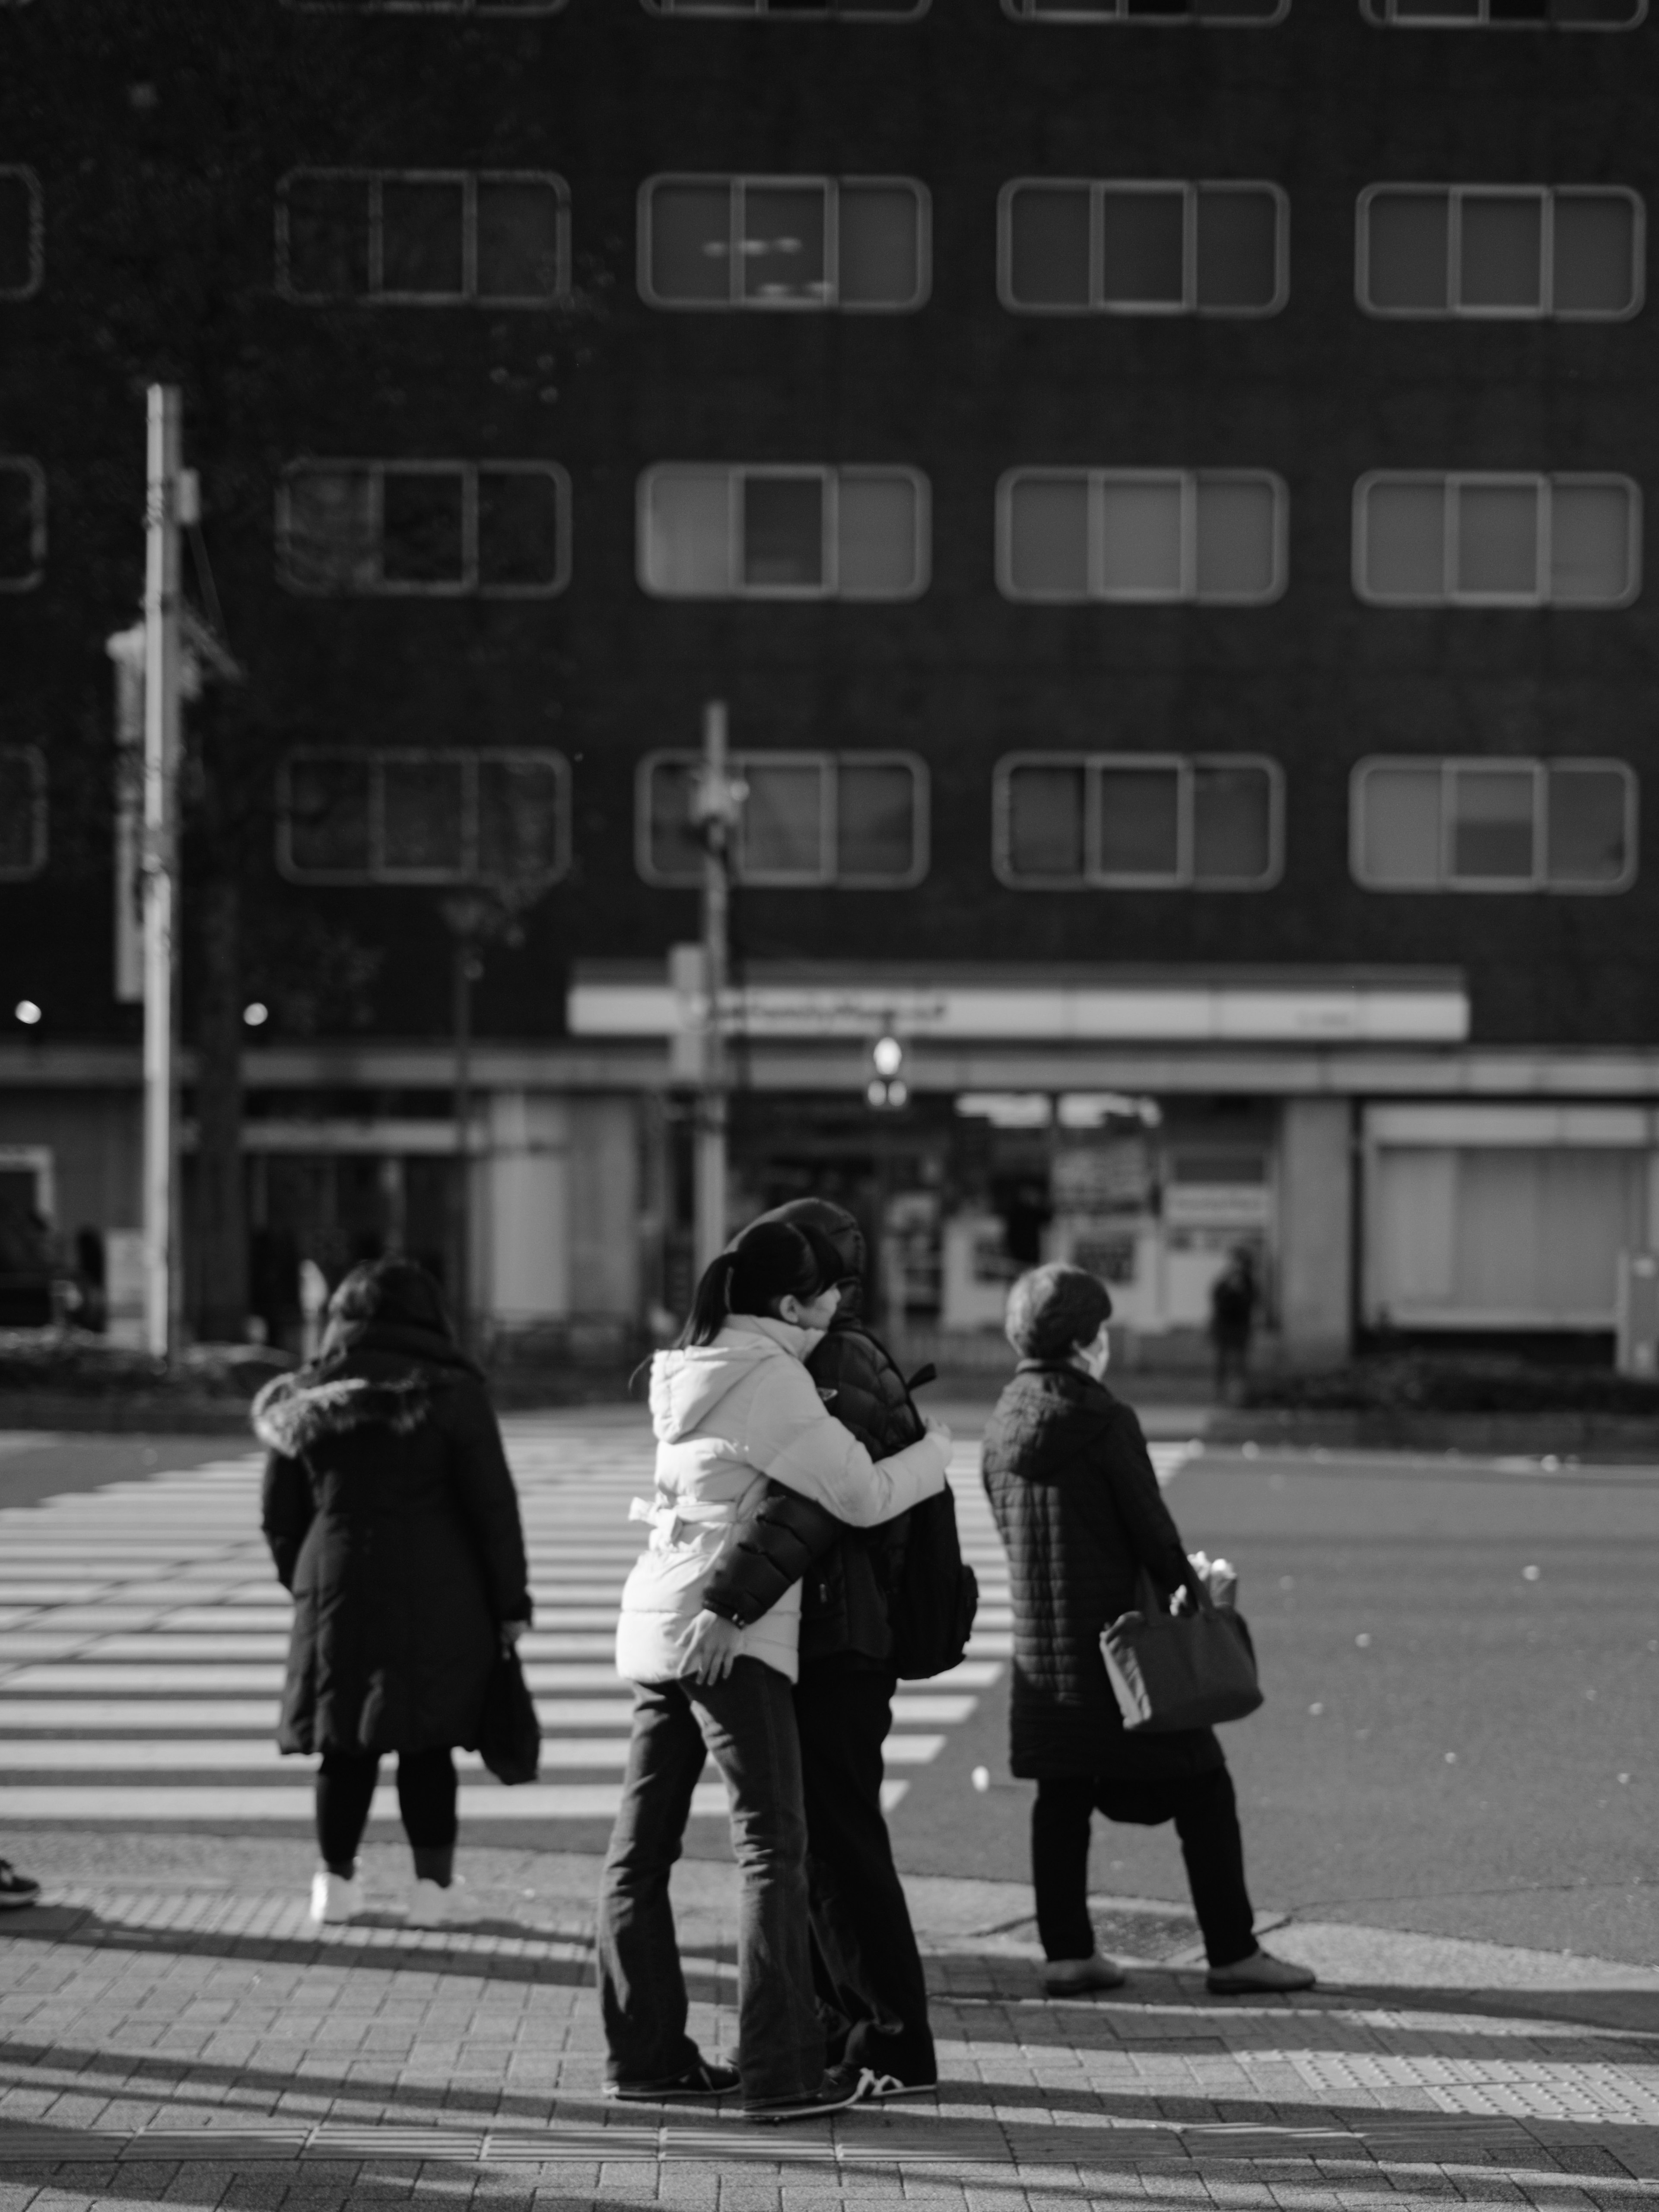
(142, 1637)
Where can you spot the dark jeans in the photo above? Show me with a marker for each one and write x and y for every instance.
(1206, 1814)
(748, 1722)
(872, 1996)
(345, 1790)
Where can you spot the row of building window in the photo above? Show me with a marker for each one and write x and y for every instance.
(859, 821)
(863, 244)
(1397, 14)
(713, 531)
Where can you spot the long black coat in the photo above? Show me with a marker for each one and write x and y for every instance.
(1079, 1510)
(391, 1513)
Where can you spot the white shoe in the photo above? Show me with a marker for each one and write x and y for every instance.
(334, 1898)
(431, 1905)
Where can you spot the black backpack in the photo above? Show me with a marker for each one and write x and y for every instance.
(933, 1599)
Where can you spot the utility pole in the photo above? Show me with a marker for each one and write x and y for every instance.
(170, 504)
(714, 809)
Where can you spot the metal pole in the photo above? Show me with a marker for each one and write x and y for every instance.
(463, 1012)
(710, 1174)
(163, 1276)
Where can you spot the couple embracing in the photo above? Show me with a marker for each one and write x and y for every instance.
(787, 1447)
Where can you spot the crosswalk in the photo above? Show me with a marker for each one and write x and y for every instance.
(142, 1637)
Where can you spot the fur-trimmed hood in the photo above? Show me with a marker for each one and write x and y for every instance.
(295, 1412)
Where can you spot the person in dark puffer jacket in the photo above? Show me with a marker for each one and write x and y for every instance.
(392, 1517)
(872, 1993)
(1080, 1515)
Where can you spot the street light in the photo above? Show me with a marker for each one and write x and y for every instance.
(887, 1087)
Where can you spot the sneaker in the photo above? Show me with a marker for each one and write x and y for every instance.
(334, 1898)
(1258, 1974)
(431, 1905)
(1077, 1978)
(705, 2079)
(876, 2086)
(16, 1889)
(841, 2087)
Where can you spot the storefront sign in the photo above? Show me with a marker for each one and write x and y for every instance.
(1174, 1013)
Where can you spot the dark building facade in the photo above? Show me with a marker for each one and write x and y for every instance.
(1160, 490)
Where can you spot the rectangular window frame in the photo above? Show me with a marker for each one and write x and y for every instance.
(1025, 11)
(1126, 188)
(835, 11)
(1383, 16)
(829, 764)
(377, 472)
(36, 477)
(504, 11)
(1540, 767)
(829, 474)
(11, 295)
(1189, 480)
(1095, 877)
(737, 185)
(1453, 480)
(377, 296)
(376, 874)
(1549, 195)
(36, 865)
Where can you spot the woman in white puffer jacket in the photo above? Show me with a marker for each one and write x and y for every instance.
(732, 1408)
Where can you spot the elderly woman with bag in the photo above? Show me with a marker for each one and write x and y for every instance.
(391, 1517)
(732, 1406)
(1080, 1513)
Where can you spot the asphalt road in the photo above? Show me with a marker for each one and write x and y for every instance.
(1461, 1731)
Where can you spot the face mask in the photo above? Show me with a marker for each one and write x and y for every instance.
(1094, 1359)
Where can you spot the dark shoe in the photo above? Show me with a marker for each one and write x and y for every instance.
(16, 1889)
(876, 2085)
(702, 2079)
(1258, 1975)
(1080, 1977)
(841, 2087)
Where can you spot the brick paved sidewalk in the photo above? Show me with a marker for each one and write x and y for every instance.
(178, 2036)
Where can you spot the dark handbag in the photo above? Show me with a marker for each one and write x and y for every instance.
(1182, 1670)
(509, 1734)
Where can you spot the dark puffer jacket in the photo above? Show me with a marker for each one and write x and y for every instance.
(391, 1515)
(1079, 1511)
(848, 1573)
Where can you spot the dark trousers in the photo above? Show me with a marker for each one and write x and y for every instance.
(872, 1996)
(1206, 1814)
(345, 1790)
(748, 1722)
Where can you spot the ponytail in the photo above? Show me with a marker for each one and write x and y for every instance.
(770, 1260)
(711, 1302)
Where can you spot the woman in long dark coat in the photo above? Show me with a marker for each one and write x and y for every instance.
(391, 1513)
(1080, 1513)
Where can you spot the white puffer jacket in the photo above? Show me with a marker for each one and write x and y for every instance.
(728, 1417)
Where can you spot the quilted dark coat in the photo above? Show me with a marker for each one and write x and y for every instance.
(391, 1517)
(847, 1573)
(1079, 1510)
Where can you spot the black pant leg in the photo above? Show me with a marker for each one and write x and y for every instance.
(1059, 1865)
(425, 1797)
(345, 1790)
(1206, 1821)
(869, 1970)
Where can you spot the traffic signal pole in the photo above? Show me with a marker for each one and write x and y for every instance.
(716, 808)
(163, 675)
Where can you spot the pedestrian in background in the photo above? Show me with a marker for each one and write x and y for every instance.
(873, 1994)
(732, 1406)
(391, 1517)
(1080, 1513)
(1235, 1296)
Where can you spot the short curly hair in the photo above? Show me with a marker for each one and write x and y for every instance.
(1053, 1309)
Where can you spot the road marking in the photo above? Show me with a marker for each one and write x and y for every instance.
(143, 1642)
